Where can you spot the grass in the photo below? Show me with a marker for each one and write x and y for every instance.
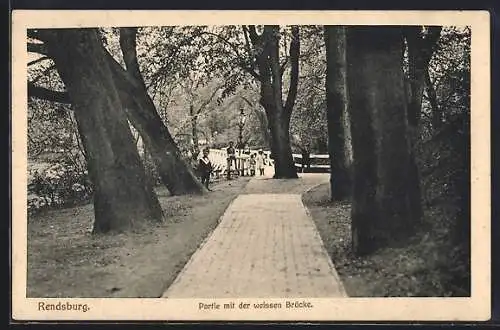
(425, 267)
(65, 260)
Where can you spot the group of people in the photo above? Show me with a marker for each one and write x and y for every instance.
(256, 161)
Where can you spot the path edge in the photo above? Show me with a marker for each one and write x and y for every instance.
(200, 246)
(329, 259)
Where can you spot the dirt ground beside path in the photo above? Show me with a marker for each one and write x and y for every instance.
(418, 269)
(64, 260)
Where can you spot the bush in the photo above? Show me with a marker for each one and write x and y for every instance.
(57, 185)
(445, 164)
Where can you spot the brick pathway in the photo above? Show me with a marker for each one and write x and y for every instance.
(266, 245)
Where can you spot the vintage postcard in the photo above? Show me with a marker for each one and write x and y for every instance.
(250, 165)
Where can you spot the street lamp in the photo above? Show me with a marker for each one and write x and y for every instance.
(241, 124)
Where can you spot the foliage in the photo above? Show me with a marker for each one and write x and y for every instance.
(59, 184)
(308, 127)
(57, 171)
(449, 73)
(444, 159)
(212, 69)
(446, 184)
(308, 124)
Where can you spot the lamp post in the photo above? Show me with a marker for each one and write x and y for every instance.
(241, 124)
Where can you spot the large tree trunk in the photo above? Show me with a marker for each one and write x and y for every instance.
(174, 172)
(377, 107)
(279, 127)
(278, 114)
(336, 105)
(122, 197)
(420, 51)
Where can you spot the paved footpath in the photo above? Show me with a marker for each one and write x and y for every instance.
(266, 245)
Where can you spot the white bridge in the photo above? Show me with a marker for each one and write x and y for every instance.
(219, 160)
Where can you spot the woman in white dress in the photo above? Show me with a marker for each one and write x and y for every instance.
(259, 162)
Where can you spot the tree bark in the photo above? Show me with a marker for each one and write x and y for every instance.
(437, 114)
(336, 110)
(122, 196)
(174, 172)
(377, 107)
(420, 50)
(271, 89)
(194, 130)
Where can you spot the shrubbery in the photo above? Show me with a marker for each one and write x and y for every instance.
(57, 185)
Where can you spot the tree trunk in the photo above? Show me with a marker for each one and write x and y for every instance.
(416, 82)
(336, 104)
(264, 127)
(284, 166)
(278, 115)
(377, 108)
(174, 172)
(420, 51)
(194, 130)
(437, 114)
(122, 197)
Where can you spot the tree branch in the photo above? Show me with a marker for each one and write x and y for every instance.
(171, 56)
(47, 94)
(430, 41)
(43, 58)
(249, 48)
(252, 32)
(200, 109)
(251, 72)
(422, 45)
(431, 93)
(247, 101)
(127, 82)
(294, 72)
(241, 63)
(247, 40)
(321, 89)
(128, 46)
(33, 34)
(283, 66)
(44, 72)
(37, 48)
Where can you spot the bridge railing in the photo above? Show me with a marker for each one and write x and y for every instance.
(316, 162)
(218, 157)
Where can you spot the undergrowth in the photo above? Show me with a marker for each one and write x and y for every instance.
(436, 260)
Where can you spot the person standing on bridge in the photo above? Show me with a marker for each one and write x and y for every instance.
(205, 168)
(251, 164)
(259, 162)
(231, 158)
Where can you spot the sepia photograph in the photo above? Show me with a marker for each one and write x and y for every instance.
(284, 168)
